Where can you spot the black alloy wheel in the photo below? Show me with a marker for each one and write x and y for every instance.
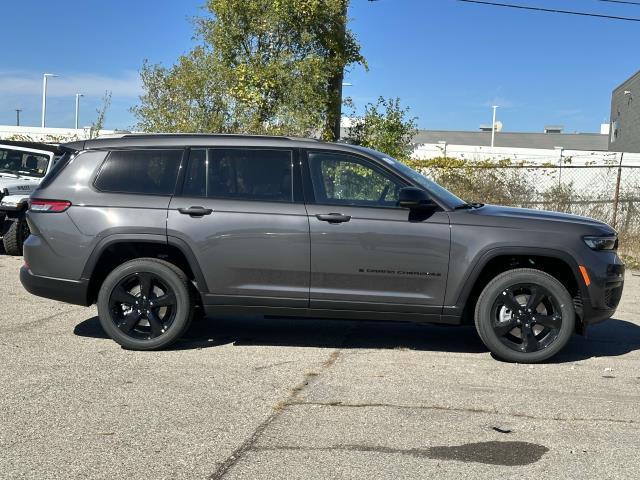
(525, 315)
(146, 304)
(143, 306)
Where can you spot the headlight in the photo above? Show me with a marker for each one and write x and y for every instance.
(602, 243)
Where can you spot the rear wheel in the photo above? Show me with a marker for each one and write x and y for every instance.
(15, 236)
(145, 304)
(525, 316)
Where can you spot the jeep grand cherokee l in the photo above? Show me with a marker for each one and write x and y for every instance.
(153, 228)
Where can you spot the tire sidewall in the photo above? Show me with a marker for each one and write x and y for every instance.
(492, 291)
(173, 280)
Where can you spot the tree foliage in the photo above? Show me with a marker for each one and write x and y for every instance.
(385, 126)
(260, 67)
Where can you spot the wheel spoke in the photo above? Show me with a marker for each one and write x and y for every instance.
(529, 342)
(165, 300)
(129, 322)
(549, 321)
(155, 323)
(120, 295)
(145, 284)
(509, 300)
(502, 329)
(537, 294)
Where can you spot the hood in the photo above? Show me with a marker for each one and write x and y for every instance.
(543, 215)
(16, 186)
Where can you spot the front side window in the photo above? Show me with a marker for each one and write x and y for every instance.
(20, 162)
(241, 174)
(150, 172)
(348, 180)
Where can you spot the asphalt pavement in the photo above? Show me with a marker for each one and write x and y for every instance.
(255, 398)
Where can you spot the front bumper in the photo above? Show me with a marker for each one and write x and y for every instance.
(69, 291)
(605, 292)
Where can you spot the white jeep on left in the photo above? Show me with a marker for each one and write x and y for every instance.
(23, 165)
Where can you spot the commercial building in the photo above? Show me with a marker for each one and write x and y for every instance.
(625, 116)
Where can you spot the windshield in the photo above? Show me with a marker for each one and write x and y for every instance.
(23, 163)
(429, 185)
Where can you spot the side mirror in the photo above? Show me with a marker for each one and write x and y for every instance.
(415, 199)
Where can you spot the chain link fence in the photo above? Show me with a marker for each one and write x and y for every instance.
(608, 192)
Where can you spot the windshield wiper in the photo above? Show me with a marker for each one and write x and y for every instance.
(468, 206)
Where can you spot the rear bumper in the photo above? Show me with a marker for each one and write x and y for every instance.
(69, 291)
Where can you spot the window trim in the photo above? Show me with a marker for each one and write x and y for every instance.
(309, 192)
(297, 196)
(182, 151)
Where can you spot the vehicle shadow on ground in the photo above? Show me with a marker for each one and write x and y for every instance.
(607, 339)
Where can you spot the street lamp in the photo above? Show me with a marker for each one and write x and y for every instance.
(78, 95)
(44, 96)
(493, 126)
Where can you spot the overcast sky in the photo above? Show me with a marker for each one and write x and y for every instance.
(449, 61)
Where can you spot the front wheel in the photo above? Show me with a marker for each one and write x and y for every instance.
(525, 315)
(145, 304)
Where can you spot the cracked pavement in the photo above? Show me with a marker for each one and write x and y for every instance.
(273, 398)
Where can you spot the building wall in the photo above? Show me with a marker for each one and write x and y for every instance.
(625, 116)
(53, 135)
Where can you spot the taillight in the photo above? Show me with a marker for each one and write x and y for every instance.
(48, 206)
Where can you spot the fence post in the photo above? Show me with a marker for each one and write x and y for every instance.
(616, 197)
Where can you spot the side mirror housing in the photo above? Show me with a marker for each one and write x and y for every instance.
(415, 199)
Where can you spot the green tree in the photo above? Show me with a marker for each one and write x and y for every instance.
(385, 126)
(265, 66)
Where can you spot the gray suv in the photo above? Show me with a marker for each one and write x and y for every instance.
(156, 228)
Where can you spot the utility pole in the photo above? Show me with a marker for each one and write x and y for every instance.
(334, 112)
(44, 96)
(78, 95)
(18, 110)
(493, 127)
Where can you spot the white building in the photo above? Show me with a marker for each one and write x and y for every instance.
(54, 135)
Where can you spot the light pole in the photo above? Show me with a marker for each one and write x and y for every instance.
(44, 96)
(18, 110)
(493, 126)
(78, 95)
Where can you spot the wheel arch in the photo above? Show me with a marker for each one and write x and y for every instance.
(119, 248)
(557, 263)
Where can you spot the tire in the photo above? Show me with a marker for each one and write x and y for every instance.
(14, 238)
(525, 316)
(127, 310)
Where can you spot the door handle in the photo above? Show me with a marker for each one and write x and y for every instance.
(195, 211)
(334, 217)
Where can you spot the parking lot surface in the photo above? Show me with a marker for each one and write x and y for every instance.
(272, 398)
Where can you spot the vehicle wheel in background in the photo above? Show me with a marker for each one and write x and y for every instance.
(525, 315)
(15, 236)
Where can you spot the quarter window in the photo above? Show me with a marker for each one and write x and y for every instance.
(241, 174)
(347, 180)
(151, 172)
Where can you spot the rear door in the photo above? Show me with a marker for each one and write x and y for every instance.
(242, 214)
(367, 253)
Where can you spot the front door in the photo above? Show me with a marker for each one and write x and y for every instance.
(367, 253)
(239, 213)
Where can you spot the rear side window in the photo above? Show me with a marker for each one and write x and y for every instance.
(150, 172)
(241, 174)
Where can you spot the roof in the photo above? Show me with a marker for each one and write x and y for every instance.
(47, 147)
(568, 141)
(188, 139)
(624, 84)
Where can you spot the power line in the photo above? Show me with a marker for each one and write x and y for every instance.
(624, 2)
(552, 10)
